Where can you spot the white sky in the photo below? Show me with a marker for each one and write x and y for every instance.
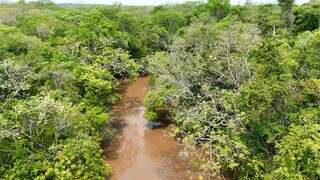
(157, 2)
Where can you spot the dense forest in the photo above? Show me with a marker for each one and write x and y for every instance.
(240, 84)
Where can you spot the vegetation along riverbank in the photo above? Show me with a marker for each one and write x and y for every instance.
(240, 84)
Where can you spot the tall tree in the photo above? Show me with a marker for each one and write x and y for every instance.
(314, 2)
(287, 13)
(219, 8)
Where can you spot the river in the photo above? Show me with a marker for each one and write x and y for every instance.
(140, 152)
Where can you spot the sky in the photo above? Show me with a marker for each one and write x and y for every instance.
(157, 2)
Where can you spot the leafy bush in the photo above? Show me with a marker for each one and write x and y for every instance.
(298, 154)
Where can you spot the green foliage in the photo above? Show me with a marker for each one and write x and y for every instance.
(95, 30)
(79, 158)
(249, 102)
(15, 79)
(118, 63)
(42, 26)
(169, 19)
(95, 84)
(298, 154)
(199, 80)
(268, 18)
(287, 13)
(278, 99)
(58, 73)
(218, 8)
(157, 104)
(18, 43)
(241, 83)
(307, 17)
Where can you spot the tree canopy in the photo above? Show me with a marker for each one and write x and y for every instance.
(240, 84)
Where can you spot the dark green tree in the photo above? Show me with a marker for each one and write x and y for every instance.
(287, 13)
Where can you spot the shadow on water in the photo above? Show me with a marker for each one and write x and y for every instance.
(155, 125)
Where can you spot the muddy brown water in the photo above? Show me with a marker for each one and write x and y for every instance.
(140, 152)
